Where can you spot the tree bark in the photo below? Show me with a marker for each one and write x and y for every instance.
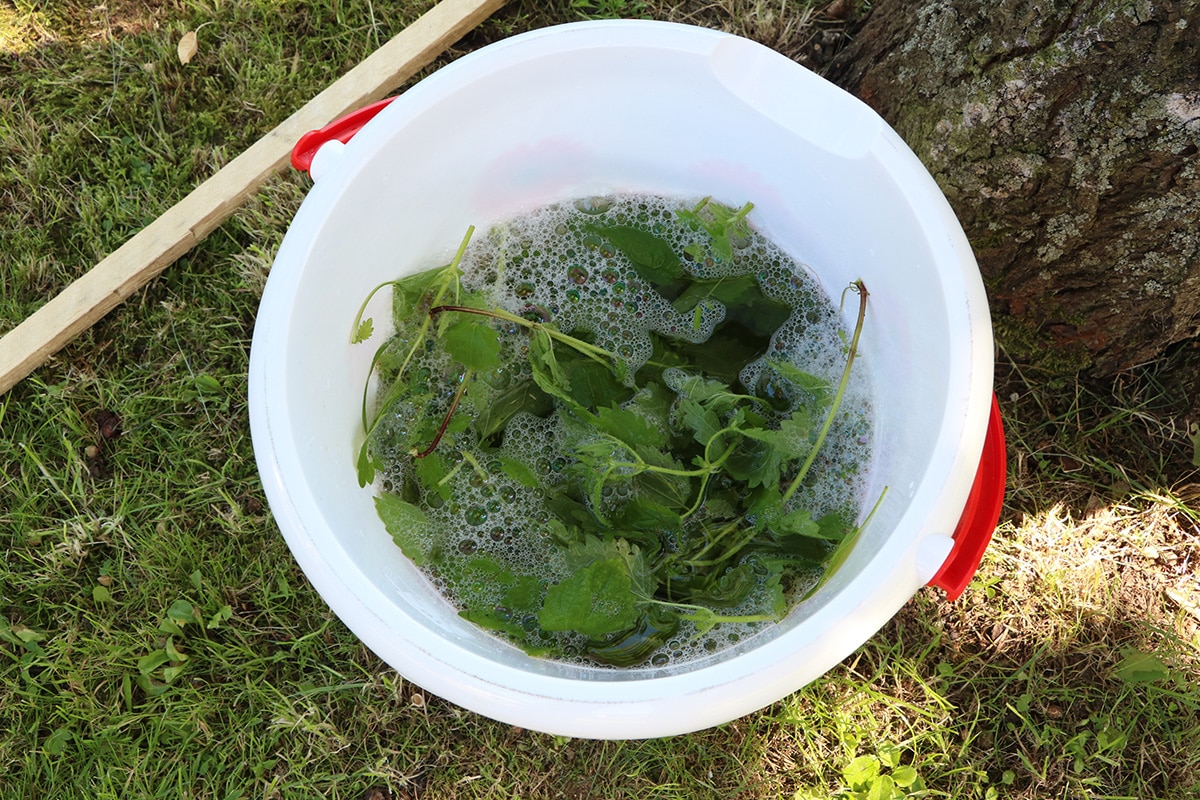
(1065, 135)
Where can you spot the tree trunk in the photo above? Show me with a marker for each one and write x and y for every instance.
(1065, 135)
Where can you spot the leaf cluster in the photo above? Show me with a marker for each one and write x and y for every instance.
(673, 508)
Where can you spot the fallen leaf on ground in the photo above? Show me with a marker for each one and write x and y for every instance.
(187, 47)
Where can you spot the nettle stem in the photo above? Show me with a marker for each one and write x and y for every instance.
(586, 348)
(861, 288)
(441, 431)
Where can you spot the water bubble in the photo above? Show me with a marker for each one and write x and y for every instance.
(573, 295)
(577, 275)
(524, 289)
(468, 546)
(476, 515)
(536, 313)
(660, 660)
(593, 206)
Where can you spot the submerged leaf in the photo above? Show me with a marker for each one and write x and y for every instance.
(595, 601)
(819, 388)
(630, 427)
(653, 259)
(407, 525)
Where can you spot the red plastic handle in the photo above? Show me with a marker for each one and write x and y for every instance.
(980, 515)
(342, 129)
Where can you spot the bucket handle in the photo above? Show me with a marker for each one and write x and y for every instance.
(980, 515)
(341, 129)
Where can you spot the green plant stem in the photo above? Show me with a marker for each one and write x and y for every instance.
(585, 348)
(861, 288)
(750, 536)
(713, 540)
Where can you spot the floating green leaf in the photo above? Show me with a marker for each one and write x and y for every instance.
(472, 343)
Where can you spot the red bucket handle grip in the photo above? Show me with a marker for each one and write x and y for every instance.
(342, 129)
(980, 515)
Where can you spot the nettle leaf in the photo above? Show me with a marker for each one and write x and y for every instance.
(639, 643)
(595, 601)
(795, 523)
(520, 472)
(547, 372)
(701, 420)
(365, 330)
(653, 402)
(630, 427)
(757, 459)
(702, 402)
(592, 384)
(366, 465)
(723, 223)
(818, 388)
(706, 391)
(653, 259)
(645, 514)
(407, 525)
(502, 406)
(589, 550)
(732, 290)
(431, 472)
(834, 527)
(472, 342)
(764, 454)
(419, 289)
(520, 599)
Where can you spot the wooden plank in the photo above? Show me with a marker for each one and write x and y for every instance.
(81, 304)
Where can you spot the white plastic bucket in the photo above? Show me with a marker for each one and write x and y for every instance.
(596, 108)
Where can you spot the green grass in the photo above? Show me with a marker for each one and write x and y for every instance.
(158, 640)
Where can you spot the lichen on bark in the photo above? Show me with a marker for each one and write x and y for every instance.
(1065, 136)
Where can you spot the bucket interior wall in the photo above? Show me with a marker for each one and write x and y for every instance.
(830, 183)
